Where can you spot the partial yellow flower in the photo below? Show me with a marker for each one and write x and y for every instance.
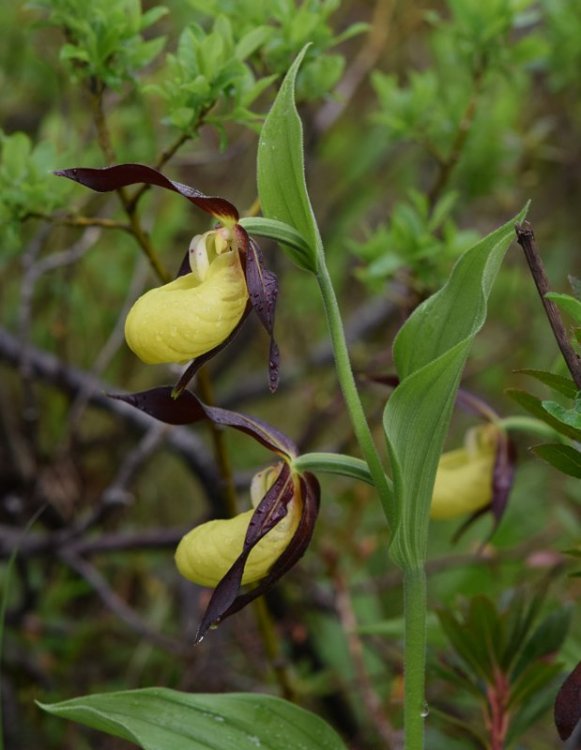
(195, 313)
(464, 480)
(206, 553)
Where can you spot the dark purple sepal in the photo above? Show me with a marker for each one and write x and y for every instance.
(503, 476)
(188, 409)
(121, 175)
(568, 704)
(269, 512)
(263, 292)
(502, 482)
(310, 493)
(194, 366)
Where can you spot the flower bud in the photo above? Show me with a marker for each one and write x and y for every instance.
(195, 313)
(207, 553)
(464, 480)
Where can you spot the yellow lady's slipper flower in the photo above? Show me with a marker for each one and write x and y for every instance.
(193, 317)
(206, 553)
(195, 313)
(464, 480)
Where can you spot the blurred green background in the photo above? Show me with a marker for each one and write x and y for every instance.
(426, 125)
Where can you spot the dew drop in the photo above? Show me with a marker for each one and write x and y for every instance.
(425, 712)
(214, 626)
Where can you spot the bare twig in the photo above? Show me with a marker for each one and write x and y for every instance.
(360, 324)
(526, 239)
(165, 156)
(349, 624)
(364, 61)
(104, 138)
(448, 165)
(113, 602)
(50, 543)
(85, 222)
(51, 370)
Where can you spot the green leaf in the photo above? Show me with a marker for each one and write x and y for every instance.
(568, 304)
(281, 167)
(161, 719)
(546, 640)
(558, 383)
(430, 352)
(535, 407)
(565, 458)
(569, 417)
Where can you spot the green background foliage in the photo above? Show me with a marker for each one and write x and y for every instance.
(426, 126)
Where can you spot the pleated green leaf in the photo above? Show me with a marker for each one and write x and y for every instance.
(281, 169)
(161, 719)
(429, 353)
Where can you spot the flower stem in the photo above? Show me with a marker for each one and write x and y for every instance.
(334, 463)
(415, 709)
(350, 392)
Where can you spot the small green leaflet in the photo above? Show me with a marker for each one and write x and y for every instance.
(281, 168)
(162, 719)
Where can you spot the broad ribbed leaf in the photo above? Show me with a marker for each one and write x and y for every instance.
(161, 719)
(281, 169)
(429, 353)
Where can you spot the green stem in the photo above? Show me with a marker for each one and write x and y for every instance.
(334, 463)
(529, 424)
(350, 392)
(415, 709)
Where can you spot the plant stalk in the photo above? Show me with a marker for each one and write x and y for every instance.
(415, 708)
(350, 392)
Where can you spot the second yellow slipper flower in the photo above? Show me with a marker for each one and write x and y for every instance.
(464, 480)
(208, 551)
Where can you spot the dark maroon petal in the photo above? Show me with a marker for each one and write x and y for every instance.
(311, 493)
(568, 704)
(192, 369)
(502, 482)
(271, 510)
(263, 292)
(503, 476)
(121, 175)
(188, 409)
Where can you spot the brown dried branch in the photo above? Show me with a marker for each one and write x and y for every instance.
(50, 369)
(526, 239)
(113, 602)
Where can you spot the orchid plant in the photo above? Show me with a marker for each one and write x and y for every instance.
(220, 281)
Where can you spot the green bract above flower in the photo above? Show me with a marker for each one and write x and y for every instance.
(255, 547)
(221, 278)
